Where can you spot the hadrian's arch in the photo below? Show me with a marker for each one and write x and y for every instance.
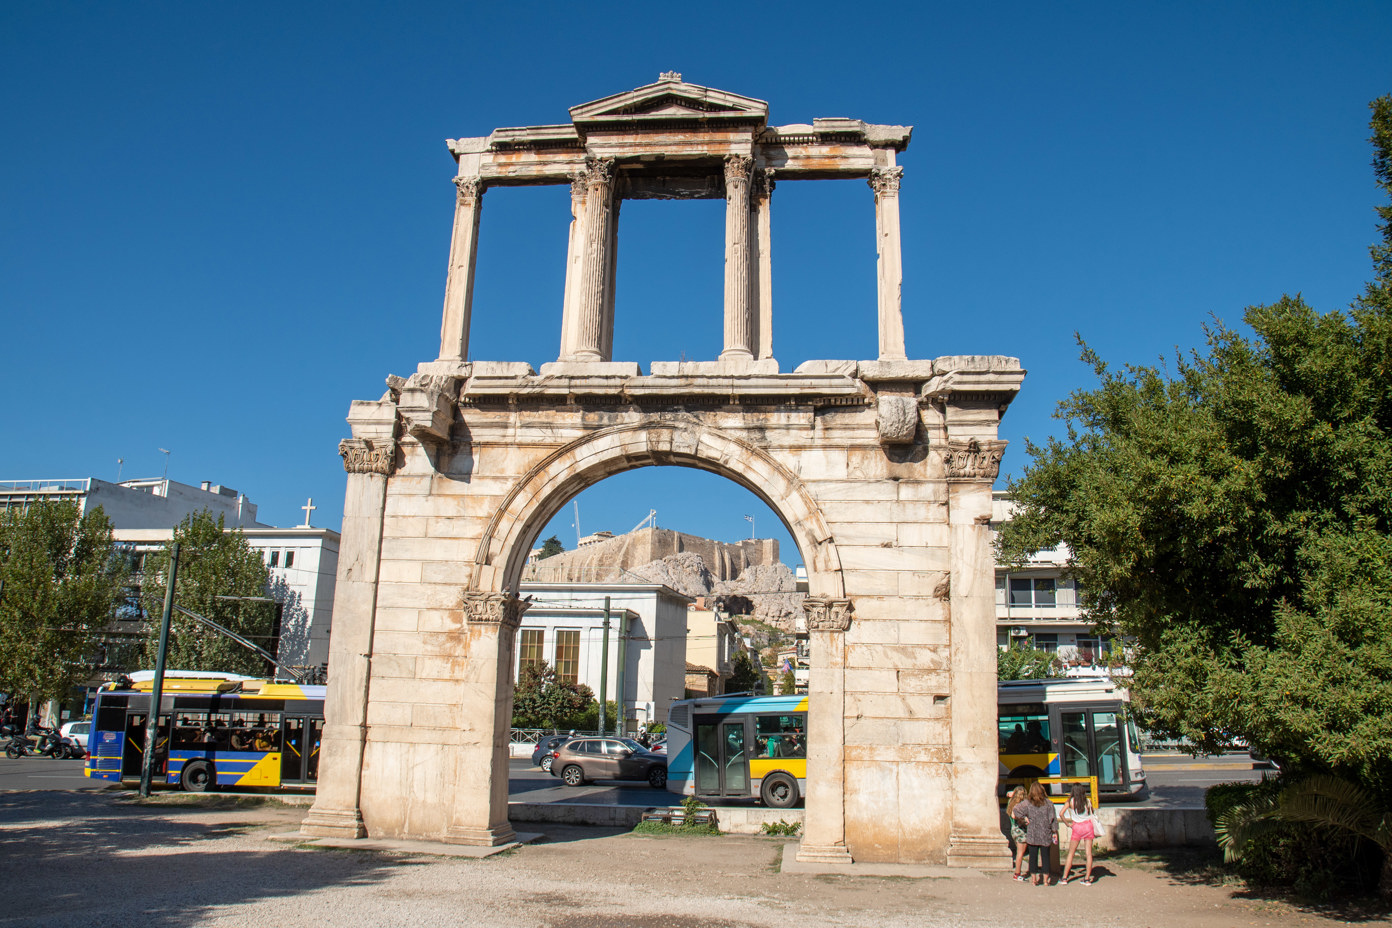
(881, 468)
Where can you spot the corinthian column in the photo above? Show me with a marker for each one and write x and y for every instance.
(824, 833)
(740, 327)
(587, 277)
(480, 811)
(459, 285)
(971, 467)
(337, 806)
(885, 183)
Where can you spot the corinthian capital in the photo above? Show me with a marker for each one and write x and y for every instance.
(365, 456)
(763, 184)
(885, 181)
(470, 189)
(969, 459)
(503, 610)
(827, 615)
(599, 170)
(737, 168)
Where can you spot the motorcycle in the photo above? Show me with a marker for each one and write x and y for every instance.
(49, 744)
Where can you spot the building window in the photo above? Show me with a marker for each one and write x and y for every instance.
(275, 558)
(1029, 593)
(531, 647)
(1093, 649)
(289, 558)
(1046, 641)
(568, 655)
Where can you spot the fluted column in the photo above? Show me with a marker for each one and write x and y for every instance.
(585, 310)
(763, 279)
(890, 267)
(459, 285)
(575, 251)
(740, 326)
(824, 832)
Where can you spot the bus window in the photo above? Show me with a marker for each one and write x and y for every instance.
(779, 736)
(1024, 731)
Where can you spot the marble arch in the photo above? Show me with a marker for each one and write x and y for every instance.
(882, 469)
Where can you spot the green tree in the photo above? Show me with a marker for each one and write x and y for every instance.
(1234, 515)
(1020, 662)
(539, 700)
(747, 677)
(60, 585)
(550, 547)
(213, 563)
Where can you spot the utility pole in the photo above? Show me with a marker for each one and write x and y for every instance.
(604, 670)
(621, 683)
(147, 765)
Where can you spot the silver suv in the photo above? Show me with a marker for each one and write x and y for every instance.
(584, 759)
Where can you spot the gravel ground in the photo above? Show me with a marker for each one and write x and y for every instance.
(85, 859)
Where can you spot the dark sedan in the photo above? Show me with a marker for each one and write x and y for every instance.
(545, 749)
(608, 759)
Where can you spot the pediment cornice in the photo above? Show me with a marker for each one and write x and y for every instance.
(668, 101)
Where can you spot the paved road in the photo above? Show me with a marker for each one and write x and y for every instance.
(43, 773)
(528, 784)
(1180, 780)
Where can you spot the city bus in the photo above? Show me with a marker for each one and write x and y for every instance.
(739, 747)
(1077, 727)
(212, 731)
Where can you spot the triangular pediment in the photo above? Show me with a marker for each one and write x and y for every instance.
(671, 99)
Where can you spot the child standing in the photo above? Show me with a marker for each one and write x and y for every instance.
(1017, 831)
(1079, 813)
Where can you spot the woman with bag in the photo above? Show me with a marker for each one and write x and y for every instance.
(1078, 812)
(1017, 830)
(1041, 831)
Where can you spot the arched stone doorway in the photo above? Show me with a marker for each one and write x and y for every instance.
(881, 469)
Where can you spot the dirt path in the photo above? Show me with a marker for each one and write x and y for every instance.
(96, 860)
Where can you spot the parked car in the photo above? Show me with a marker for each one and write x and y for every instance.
(659, 747)
(584, 759)
(546, 751)
(77, 731)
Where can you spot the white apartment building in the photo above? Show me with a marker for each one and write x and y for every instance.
(1037, 604)
(564, 626)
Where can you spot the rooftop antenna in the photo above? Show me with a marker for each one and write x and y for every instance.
(165, 452)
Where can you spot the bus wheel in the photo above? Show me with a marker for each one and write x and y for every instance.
(779, 791)
(197, 776)
(573, 776)
(657, 778)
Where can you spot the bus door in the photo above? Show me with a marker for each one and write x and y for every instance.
(722, 757)
(133, 752)
(292, 752)
(1091, 745)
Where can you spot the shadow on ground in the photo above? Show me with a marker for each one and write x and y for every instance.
(1204, 867)
(93, 859)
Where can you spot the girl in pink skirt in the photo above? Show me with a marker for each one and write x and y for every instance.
(1079, 813)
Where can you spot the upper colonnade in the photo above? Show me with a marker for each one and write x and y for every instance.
(674, 140)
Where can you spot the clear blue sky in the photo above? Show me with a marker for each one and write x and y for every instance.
(221, 223)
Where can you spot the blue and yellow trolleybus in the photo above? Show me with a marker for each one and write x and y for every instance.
(211, 732)
(739, 747)
(1069, 728)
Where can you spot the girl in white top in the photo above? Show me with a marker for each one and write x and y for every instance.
(1079, 813)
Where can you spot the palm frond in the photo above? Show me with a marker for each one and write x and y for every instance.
(1337, 803)
(1243, 822)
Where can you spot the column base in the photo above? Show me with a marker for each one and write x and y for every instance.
(333, 823)
(480, 837)
(824, 854)
(980, 852)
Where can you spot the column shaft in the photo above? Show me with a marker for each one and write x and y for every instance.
(740, 326)
(575, 251)
(337, 810)
(824, 831)
(890, 268)
(591, 287)
(763, 280)
(459, 285)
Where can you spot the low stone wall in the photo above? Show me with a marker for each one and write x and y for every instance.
(1138, 828)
